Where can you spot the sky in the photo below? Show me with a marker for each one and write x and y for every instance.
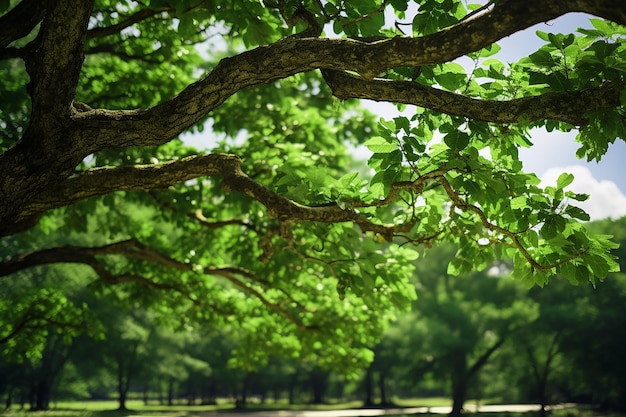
(552, 153)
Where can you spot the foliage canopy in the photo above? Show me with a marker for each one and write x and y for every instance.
(265, 228)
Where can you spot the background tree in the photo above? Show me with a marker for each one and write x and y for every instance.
(463, 321)
(262, 231)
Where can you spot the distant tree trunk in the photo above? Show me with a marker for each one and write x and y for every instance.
(382, 379)
(42, 395)
(367, 385)
(170, 391)
(242, 399)
(459, 391)
(292, 389)
(122, 399)
(7, 404)
(122, 384)
(54, 356)
(542, 372)
(318, 380)
(126, 362)
(461, 375)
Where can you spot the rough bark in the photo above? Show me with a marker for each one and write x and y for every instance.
(569, 107)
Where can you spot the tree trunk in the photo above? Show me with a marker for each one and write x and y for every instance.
(54, 357)
(122, 383)
(292, 389)
(382, 379)
(459, 390)
(318, 378)
(42, 395)
(9, 400)
(122, 399)
(367, 385)
(170, 392)
(242, 398)
(126, 362)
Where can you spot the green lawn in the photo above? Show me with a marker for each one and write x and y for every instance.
(137, 408)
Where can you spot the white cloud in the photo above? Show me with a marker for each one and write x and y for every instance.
(606, 199)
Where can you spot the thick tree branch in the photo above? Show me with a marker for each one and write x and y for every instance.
(101, 181)
(294, 55)
(88, 256)
(569, 107)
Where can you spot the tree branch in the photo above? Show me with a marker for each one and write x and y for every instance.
(293, 55)
(88, 256)
(101, 181)
(230, 276)
(100, 32)
(134, 249)
(114, 51)
(458, 201)
(569, 107)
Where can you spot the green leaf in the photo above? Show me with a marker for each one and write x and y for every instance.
(452, 76)
(542, 35)
(347, 179)
(519, 202)
(378, 144)
(457, 140)
(549, 230)
(542, 58)
(402, 122)
(602, 25)
(564, 180)
(577, 213)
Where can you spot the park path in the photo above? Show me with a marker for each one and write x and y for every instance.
(367, 412)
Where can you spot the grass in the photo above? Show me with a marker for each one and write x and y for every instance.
(137, 408)
(423, 402)
(108, 408)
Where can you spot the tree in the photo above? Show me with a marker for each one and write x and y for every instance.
(270, 222)
(540, 342)
(601, 324)
(461, 322)
(42, 312)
